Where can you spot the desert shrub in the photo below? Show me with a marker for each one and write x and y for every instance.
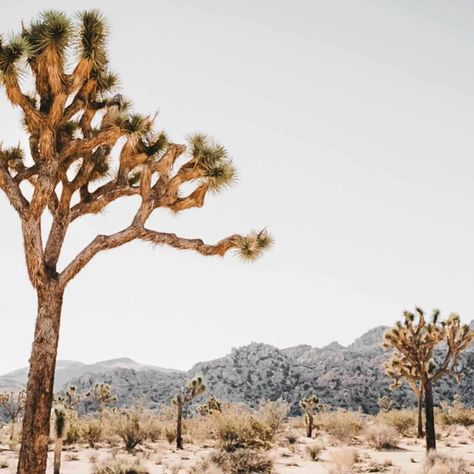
(342, 461)
(152, 428)
(402, 420)
(119, 466)
(457, 414)
(341, 424)
(380, 436)
(91, 429)
(273, 414)
(170, 435)
(242, 461)
(236, 428)
(292, 437)
(73, 432)
(130, 429)
(313, 451)
(440, 464)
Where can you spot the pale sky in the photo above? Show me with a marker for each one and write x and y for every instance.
(350, 123)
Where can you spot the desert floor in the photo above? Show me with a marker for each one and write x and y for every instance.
(161, 458)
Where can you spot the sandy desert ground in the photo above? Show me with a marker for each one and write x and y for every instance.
(161, 458)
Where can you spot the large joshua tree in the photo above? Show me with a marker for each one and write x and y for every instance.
(87, 150)
(423, 352)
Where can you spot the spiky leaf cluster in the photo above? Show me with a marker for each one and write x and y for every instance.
(211, 406)
(414, 342)
(102, 395)
(194, 388)
(13, 157)
(250, 247)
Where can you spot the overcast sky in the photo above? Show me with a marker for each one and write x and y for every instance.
(351, 125)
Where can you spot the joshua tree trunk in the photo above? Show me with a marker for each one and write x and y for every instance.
(12, 433)
(39, 392)
(309, 426)
(421, 434)
(179, 436)
(429, 417)
(58, 447)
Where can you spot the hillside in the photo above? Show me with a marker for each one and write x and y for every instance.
(348, 377)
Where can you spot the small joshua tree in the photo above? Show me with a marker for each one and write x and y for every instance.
(101, 396)
(385, 403)
(12, 404)
(211, 406)
(414, 343)
(87, 150)
(60, 419)
(309, 406)
(194, 388)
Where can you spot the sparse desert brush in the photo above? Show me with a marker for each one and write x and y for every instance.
(130, 428)
(273, 414)
(440, 464)
(291, 437)
(92, 430)
(313, 451)
(455, 414)
(152, 428)
(243, 461)
(343, 461)
(341, 424)
(170, 435)
(402, 420)
(119, 466)
(380, 436)
(237, 428)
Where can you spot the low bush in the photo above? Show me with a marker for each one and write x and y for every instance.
(130, 429)
(342, 461)
(92, 430)
(242, 461)
(341, 424)
(402, 420)
(119, 466)
(273, 414)
(381, 436)
(440, 464)
(313, 451)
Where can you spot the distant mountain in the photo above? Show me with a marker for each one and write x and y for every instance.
(349, 377)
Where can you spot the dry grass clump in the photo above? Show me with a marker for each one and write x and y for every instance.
(243, 461)
(458, 414)
(273, 414)
(402, 420)
(343, 461)
(341, 424)
(237, 428)
(313, 451)
(119, 466)
(440, 464)
(91, 430)
(380, 436)
(130, 428)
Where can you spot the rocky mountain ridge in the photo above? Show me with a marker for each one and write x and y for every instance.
(349, 377)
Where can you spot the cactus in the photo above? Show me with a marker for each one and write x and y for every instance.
(102, 396)
(310, 406)
(60, 419)
(211, 406)
(12, 404)
(194, 388)
(413, 343)
(385, 403)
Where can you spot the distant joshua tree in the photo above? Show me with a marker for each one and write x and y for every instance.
(385, 403)
(194, 388)
(102, 396)
(13, 405)
(309, 406)
(60, 419)
(414, 343)
(211, 406)
(86, 149)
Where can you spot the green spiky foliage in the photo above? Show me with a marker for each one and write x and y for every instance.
(385, 404)
(12, 405)
(212, 405)
(310, 406)
(102, 395)
(13, 158)
(194, 388)
(424, 351)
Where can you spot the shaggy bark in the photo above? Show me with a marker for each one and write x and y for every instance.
(429, 417)
(39, 391)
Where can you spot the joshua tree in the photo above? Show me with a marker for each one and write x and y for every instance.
(385, 403)
(310, 406)
(211, 406)
(414, 343)
(60, 418)
(85, 151)
(194, 388)
(12, 404)
(101, 396)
